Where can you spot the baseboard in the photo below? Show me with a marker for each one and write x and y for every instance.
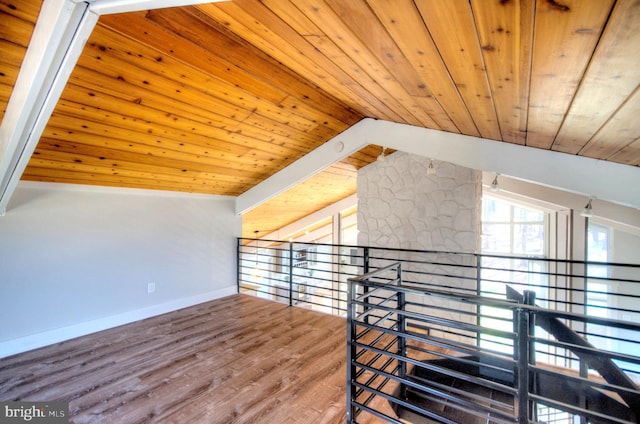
(34, 341)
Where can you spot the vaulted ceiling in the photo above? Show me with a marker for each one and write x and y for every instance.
(215, 98)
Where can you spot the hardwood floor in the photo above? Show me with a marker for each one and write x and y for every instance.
(234, 360)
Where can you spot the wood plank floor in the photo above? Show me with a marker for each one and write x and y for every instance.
(238, 359)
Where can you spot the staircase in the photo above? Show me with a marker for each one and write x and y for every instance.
(435, 353)
(472, 390)
(479, 398)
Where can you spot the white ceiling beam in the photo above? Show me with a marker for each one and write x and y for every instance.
(60, 33)
(109, 7)
(334, 150)
(600, 179)
(603, 180)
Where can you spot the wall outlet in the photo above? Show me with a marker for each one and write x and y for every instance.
(151, 287)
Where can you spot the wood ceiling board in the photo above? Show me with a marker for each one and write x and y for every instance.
(621, 130)
(505, 31)
(246, 57)
(185, 157)
(367, 27)
(449, 24)
(612, 76)
(564, 38)
(167, 43)
(49, 152)
(156, 125)
(122, 76)
(151, 183)
(13, 47)
(79, 116)
(11, 57)
(25, 10)
(259, 35)
(286, 27)
(404, 24)
(371, 99)
(153, 88)
(116, 153)
(355, 49)
(15, 29)
(629, 155)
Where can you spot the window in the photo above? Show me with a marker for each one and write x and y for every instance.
(510, 229)
(598, 299)
(518, 232)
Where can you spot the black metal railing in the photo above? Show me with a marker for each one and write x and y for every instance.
(457, 310)
(421, 351)
(307, 275)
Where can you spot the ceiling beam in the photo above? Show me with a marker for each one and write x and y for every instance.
(62, 29)
(599, 179)
(334, 150)
(108, 7)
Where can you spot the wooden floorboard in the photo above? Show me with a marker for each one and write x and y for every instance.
(238, 359)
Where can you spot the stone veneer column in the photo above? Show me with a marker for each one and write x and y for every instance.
(401, 206)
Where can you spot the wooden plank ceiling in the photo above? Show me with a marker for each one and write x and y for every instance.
(217, 97)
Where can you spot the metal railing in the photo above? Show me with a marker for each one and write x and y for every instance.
(457, 305)
(422, 351)
(312, 276)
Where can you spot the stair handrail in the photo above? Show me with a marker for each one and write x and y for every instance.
(607, 369)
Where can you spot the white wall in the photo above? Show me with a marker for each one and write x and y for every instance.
(75, 259)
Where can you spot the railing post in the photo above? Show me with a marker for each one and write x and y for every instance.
(478, 293)
(522, 338)
(238, 262)
(530, 299)
(351, 350)
(365, 265)
(402, 327)
(290, 273)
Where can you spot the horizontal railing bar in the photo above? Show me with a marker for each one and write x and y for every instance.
(441, 370)
(506, 304)
(444, 322)
(429, 383)
(457, 403)
(376, 272)
(471, 408)
(507, 361)
(438, 252)
(585, 381)
(378, 413)
(577, 410)
(592, 351)
(404, 404)
(371, 293)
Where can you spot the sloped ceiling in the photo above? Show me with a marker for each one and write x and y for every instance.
(215, 98)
